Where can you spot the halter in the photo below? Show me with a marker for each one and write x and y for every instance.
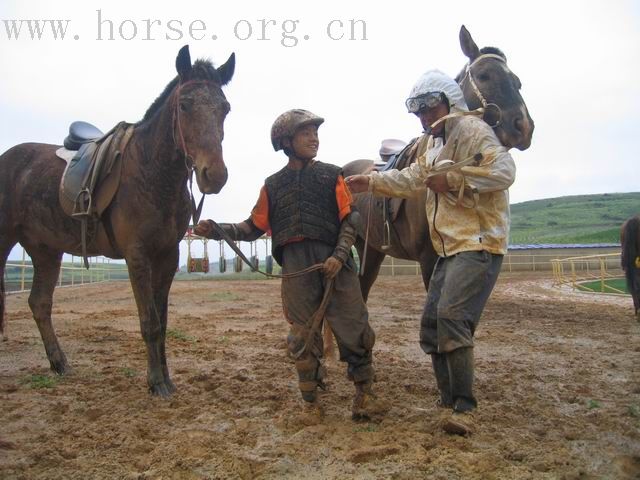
(476, 90)
(182, 148)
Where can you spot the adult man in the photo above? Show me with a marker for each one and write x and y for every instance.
(307, 208)
(468, 215)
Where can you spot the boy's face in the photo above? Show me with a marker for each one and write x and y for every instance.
(305, 142)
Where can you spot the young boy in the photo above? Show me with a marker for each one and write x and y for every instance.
(306, 207)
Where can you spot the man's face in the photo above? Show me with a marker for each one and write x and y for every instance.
(305, 142)
(429, 115)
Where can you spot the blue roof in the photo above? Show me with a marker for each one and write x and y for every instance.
(563, 245)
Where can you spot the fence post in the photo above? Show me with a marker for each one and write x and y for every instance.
(24, 267)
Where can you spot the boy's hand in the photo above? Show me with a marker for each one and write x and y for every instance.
(331, 267)
(204, 229)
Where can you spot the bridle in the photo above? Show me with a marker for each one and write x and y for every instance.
(468, 75)
(182, 147)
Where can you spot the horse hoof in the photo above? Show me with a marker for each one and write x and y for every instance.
(60, 368)
(162, 390)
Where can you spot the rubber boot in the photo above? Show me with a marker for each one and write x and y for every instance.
(441, 371)
(460, 363)
(366, 404)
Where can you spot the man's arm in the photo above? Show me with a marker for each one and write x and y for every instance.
(496, 171)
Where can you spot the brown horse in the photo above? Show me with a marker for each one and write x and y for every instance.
(409, 233)
(181, 131)
(630, 243)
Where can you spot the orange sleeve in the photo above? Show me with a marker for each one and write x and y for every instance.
(260, 213)
(343, 198)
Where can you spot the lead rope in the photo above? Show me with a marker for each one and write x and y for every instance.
(225, 236)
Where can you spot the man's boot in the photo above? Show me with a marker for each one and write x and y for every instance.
(460, 362)
(366, 404)
(441, 371)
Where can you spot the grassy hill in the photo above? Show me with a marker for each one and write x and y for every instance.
(575, 219)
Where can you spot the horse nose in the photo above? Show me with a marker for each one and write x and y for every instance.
(518, 125)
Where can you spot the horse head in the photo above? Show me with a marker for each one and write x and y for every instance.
(488, 82)
(200, 108)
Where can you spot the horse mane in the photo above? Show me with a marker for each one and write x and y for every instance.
(202, 69)
(483, 50)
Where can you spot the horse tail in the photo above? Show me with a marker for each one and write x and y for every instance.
(631, 250)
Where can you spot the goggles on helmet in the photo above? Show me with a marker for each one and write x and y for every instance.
(424, 101)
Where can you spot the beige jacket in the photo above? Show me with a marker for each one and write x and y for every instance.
(481, 220)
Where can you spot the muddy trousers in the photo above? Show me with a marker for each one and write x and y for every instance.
(346, 314)
(459, 289)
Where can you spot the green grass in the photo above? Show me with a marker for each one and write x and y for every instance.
(612, 285)
(129, 372)
(179, 335)
(591, 404)
(370, 427)
(574, 219)
(224, 297)
(40, 381)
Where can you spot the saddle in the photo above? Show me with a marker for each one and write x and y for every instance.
(92, 177)
(399, 161)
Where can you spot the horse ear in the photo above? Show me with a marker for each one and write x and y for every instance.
(183, 63)
(226, 71)
(469, 47)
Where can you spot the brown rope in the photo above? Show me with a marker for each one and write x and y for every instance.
(225, 236)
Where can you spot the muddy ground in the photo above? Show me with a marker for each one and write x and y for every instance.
(558, 384)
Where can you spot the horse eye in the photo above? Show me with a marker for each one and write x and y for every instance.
(183, 106)
(484, 77)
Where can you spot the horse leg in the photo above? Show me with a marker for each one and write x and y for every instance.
(5, 248)
(46, 270)
(328, 343)
(164, 270)
(153, 332)
(373, 261)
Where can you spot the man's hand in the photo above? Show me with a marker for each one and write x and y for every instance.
(357, 183)
(205, 229)
(331, 267)
(438, 183)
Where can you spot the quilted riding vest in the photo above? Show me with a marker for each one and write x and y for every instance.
(302, 204)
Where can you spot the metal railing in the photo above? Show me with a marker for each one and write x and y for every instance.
(578, 271)
(18, 277)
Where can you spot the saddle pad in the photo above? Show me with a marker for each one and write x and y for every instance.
(66, 155)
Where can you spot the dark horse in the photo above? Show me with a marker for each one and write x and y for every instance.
(630, 243)
(181, 131)
(409, 233)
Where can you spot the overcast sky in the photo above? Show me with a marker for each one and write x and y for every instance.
(578, 62)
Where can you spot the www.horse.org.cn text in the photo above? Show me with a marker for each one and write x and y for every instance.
(288, 32)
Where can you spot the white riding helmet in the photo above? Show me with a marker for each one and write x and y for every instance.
(427, 88)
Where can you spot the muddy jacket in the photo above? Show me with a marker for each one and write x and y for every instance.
(481, 220)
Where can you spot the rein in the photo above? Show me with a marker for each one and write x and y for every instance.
(225, 236)
(182, 148)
